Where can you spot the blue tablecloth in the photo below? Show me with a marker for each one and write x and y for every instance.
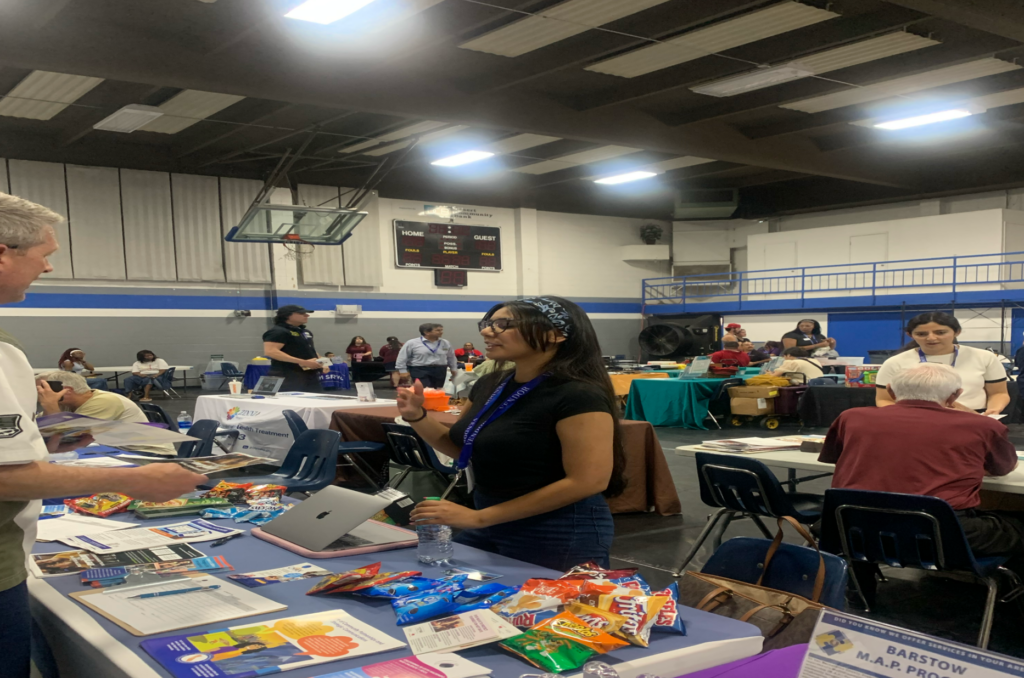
(247, 554)
(336, 378)
(671, 402)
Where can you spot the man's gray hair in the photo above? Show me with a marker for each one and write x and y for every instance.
(23, 224)
(934, 382)
(77, 383)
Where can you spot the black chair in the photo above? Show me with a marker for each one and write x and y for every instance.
(743, 487)
(410, 451)
(310, 465)
(827, 380)
(230, 371)
(298, 427)
(721, 391)
(205, 430)
(906, 530)
(165, 383)
(158, 415)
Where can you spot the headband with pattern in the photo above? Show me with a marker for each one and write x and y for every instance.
(553, 311)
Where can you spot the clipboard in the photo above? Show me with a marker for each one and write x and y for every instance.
(84, 597)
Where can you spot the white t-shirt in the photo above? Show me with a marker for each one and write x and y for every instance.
(151, 366)
(975, 366)
(809, 367)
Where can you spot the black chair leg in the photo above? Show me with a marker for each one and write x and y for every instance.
(354, 462)
(990, 609)
(856, 585)
(701, 538)
(761, 526)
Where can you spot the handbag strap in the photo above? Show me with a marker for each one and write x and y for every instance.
(752, 611)
(709, 597)
(819, 578)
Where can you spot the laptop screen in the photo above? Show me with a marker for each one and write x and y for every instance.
(268, 386)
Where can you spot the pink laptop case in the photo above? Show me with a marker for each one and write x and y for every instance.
(306, 553)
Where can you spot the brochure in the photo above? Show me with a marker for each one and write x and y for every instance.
(106, 431)
(430, 665)
(74, 525)
(254, 650)
(279, 575)
(76, 562)
(206, 465)
(150, 537)
(114, 576)
(459, 632)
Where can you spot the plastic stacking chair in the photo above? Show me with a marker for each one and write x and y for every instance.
(311, 463)
(349, 451)
(158, 415)
(230, 371)
(827, 380)
(905, 530)
(205, 430)
(743, 487)
(792, 568)
(165, 383)
(412, 453)
(721, 390)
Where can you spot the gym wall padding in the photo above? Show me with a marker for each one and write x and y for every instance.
(858, 333)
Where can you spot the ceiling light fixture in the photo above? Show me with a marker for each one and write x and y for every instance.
(625, 178)
(129, 118)
(326, 11)
(754, 80)
(927, 119)
(463, 158)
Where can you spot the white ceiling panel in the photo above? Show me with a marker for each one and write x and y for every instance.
(520, 142)
(188, 107)
(907, 85)
(574, 159)
(718, 37)
(554, 24)
(400, 133)
(865, 51)
(43, 94)
(676, 163)
(391, 148)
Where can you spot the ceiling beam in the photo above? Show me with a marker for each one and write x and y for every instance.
(1004, 18)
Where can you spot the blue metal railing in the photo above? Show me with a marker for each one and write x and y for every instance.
(981, 272)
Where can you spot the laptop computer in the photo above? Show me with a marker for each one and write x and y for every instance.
(334, 519)
(266, 387)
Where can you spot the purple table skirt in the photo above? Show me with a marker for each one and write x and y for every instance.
(784, 663)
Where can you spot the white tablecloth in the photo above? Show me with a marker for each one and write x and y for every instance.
(262, 428)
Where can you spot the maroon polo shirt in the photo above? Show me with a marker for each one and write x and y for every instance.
(727, 354)
(917, 447)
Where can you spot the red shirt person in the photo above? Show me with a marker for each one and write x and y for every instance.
(358, 350)
(730, 355)
(468, 353)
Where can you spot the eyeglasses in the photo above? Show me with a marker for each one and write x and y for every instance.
(496, 325)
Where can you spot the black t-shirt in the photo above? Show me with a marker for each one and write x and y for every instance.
(801, 338)
(520, 451)
(297, 340)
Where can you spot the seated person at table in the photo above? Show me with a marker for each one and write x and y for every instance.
(77, 397)
(73, 360)
(747, 346)
(468, 354)
(922, 445)
(730, 355)
(769, 350)
(146, 373)
(799, 360)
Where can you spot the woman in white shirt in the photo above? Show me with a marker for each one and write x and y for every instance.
(146, 373)
(799, 360)
(983, 376)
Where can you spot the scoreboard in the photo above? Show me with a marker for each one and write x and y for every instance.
(424, 245)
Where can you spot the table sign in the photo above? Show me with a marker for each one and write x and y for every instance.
(697, 369)
(843, 646)
(364, 391)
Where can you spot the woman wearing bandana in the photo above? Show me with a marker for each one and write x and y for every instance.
(542, 436)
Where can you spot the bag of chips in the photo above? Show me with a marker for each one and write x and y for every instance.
(603, 620)
(639, 610)
(233, 492)
(103, 504)
(562, 643)
(331, 583)
(633, 582)
(375, 580)
(414, 609)
(482, 597)
(412, 586)
(668, 620)
(537, 600)
(592, 570)
(265, 492)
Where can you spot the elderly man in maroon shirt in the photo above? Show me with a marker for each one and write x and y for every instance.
(923, 446)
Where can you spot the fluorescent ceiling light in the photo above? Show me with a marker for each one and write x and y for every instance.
(326, 11)
(188, 107)
(463, 158)
(927, 119)
(129, 118)
(754, 80)
(625, 178)
(43, 94)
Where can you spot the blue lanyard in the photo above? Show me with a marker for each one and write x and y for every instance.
(956, 353)
(472, 431)
(432, 350)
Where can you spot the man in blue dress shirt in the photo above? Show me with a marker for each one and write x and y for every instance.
(427, 357)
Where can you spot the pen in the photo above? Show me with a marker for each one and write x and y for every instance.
(225, 540)
(175, 592)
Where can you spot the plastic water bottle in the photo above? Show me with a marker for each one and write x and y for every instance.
(435, 543)
(184, 422)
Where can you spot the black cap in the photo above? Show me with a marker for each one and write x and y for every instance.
(292, 308)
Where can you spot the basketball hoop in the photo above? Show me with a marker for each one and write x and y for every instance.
(298, 248)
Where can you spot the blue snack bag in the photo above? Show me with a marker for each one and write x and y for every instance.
(402, 588)
(413, 610)
(668, 620)
(477, 599)
(633, 582)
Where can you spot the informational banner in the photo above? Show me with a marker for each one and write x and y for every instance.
(843, 646)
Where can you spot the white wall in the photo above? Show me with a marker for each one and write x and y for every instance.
(579, 255)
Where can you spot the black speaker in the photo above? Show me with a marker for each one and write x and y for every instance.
(670, 337)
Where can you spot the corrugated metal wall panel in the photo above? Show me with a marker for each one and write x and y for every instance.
(5, 187)
(94, 210)
(43, 183)
(325, 266)
(148, 225)
(242, 262)
(197, 235)
(361, 252)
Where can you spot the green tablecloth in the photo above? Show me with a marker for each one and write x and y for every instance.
(671, 402)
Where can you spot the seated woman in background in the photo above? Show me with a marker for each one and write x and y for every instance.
(358, 350)
(770, 350)
(389, 353)
(981, 372)
(755, 356)
(799, 360)
(146, 373)
(807, 335)
(73, 360)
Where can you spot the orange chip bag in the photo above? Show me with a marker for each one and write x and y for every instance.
(640, 612)
(103, 504)
(568, 625)
(537, 600)
(332, 583)
(603, 620)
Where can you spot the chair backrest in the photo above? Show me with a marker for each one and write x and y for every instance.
(229, 370)
(741, 484)
(830, 380)
(900, 530)
(159, 415)
(295, 423)
(205, 430)
(406, 448)
(792, 568)
(166, 379)
(313, 457)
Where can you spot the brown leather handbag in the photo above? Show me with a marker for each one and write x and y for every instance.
(784, 618)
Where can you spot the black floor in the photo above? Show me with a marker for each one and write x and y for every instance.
(655, 544)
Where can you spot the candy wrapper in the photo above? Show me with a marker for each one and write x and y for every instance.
(333, 582)
(242, 514)
(668, 620)
(265, 492)
(539, 599)
(233, 492)
(639, 610)
(103, 504)
(411, 586)
(592, 570)
(562, 643)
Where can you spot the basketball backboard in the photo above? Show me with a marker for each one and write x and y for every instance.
(295, 223)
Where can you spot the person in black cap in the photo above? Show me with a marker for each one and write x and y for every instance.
(289, 345)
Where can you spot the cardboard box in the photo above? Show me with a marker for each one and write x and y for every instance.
(752, 406)
(753, 391)
(861, 376)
